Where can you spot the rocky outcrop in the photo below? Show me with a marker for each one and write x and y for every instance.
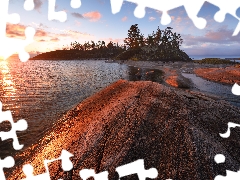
(174, 78)
(229, 75)
(176, 132)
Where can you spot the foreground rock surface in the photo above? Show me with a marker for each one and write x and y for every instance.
(176, 132)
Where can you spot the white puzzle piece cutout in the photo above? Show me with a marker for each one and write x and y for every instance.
(87, 173)
(230, 125)
(9, 46)
(66, 166)
(236, 89)
(20, 125)
(192, 8)
(60, 15)
(137, 167)
(7, 162)
(29, 5)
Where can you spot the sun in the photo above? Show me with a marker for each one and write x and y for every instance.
(6, 50)
(3, 56)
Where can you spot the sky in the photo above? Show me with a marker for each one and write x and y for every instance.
(95, 21)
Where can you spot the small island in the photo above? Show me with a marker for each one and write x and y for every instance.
(162, 45)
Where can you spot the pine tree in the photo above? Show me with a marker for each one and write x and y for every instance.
(134, 38)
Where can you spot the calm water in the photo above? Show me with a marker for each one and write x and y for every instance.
(222, 92)
(195, 57)
(42, 91)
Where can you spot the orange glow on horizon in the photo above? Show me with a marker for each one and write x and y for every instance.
(4, 53)
(10, 46)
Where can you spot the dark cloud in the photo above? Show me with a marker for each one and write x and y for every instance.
(214, 42)
(77, 15)
(220, 36)
(42, 25)
(38, 4)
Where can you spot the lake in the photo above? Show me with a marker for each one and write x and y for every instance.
(42, 91)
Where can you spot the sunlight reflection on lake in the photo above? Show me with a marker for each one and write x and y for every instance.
(8, 87)
(42, 91)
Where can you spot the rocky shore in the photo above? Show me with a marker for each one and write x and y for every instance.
(174, 131)
(173, 71)
(228, 75)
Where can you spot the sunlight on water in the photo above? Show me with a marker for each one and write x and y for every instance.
(42, 91)
(8, 87)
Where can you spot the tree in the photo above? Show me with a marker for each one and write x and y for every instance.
(134, 37)
(162, 44)
(157, 37)
(150, 40)
(75, 45)
(141, 41)
(93, 45)
(110, 45)
(102, 44)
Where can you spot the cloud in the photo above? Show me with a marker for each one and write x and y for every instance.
(18, 31)
(124, 18)
(93, 16)
(152, 18)
(220, 36)
(41, 33)
(77, 23)
(77, 15)
(213, 50)
(55, 39)
(38, 5)
(75, 34)
(42, 25)
(15, 31)
(39, 25)
(213, 42)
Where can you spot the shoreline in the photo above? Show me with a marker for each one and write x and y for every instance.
(173, 71)
(127, 121)
(228, 75)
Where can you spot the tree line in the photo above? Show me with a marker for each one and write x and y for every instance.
(159, 45)
(91, 45)
(164, 39)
